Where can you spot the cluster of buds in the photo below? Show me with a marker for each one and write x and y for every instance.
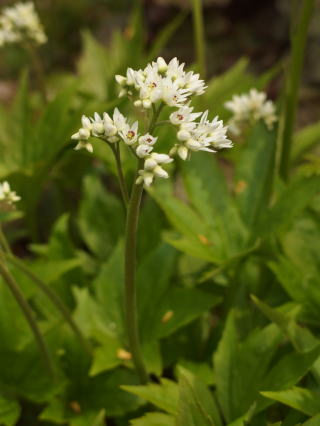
(7, 197)
(160, 81)
(164, 85)
(250, 108)
(21, 23)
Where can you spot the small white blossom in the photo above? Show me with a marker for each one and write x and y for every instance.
(21, 22)
(143, 150)
(198, 136)
(7, 197)
(147, 139)
(169, 83)
(251, 107)
(152, 168)
(83, 134)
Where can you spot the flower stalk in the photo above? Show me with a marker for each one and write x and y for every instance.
(298, 41)
(28, 313)
(131, 316)
(199, 36)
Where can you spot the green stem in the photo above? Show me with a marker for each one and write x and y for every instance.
(122, 182)
(130, 285)
(198, 26)
(298, 41)
(4, 243)
(28, 313)
(54, 298)
(131, 315)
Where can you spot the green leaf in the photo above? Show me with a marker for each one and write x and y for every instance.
(313, 422)
(292, 201)
(184, 305)
(105, 357)
(240, 367)
(94, 62)
(207, 190)
(301, 285)
(100, 231)
(298, 398)
(187, 222)
(109, 291)
(304, 140)
(196, 403)
(287, 372)
(154, 419)
(164, 395)
(9, 411)
(254, 173)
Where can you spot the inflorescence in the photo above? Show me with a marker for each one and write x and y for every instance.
(7, 197)
(158, 85)
(249, 108)
(21, 23)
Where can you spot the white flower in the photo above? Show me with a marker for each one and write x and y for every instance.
(129, 134)
(184, 115)
(145, 177)
(198, 136)
(250, 107)
(160, 81)
(143, 150)
(84, 145)
(7, 197)
(153, 169)
(97, 125)
(83, 134)
(21, 22)
(147, 139)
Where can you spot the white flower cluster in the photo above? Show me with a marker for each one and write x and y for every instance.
(160, 81)
(204, 135)
(7, 197)
(109, 129)
(19, 23)
(164, 84)
(250, 107)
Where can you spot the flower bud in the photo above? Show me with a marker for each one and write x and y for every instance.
(162, 65)
(183, 152)
(146, 104)
(121, 80)
(150, 164)
(183, 135)
(122, 93)
(84, 134)
(86, 123)
(98, 128)
(161, 158)
(173, 151)
(143, 150)
(110, 129)
(160, 172)
(193, 144)
(137, 103)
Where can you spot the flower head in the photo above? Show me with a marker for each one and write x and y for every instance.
(250, 107)
(21, 22)
(159, 87)
(161, 81)
(7, 197)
